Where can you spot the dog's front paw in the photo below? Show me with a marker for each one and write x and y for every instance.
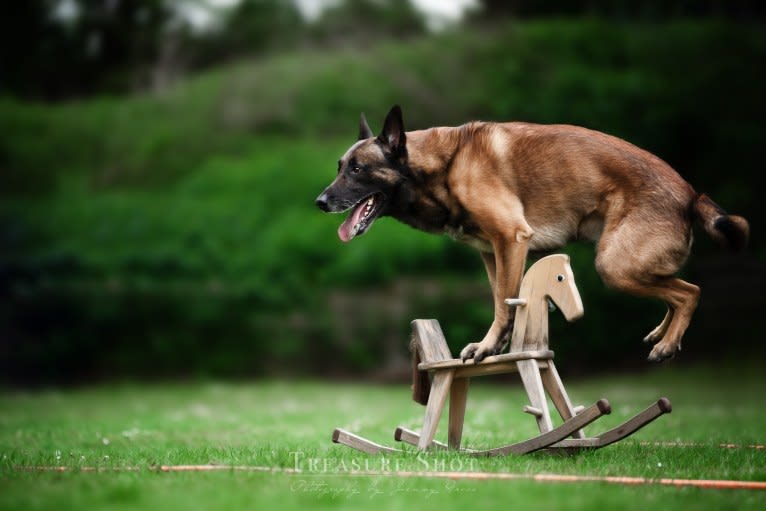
(469, 351)
(478, 351)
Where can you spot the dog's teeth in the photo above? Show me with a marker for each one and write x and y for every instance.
(369, 201)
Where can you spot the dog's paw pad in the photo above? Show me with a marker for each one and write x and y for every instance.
(660, 353)
(481, 354)
(469, 351)
(651, 338)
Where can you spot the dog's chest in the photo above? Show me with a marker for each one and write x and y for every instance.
(549, 237)
(458, 234)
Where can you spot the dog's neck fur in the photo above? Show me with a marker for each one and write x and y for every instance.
(432, 151)
(423, 199)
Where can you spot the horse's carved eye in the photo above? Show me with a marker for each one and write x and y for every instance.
(560, 278)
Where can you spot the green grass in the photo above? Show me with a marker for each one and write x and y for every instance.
(267, 423)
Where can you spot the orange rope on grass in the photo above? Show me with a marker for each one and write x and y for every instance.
(713, 484)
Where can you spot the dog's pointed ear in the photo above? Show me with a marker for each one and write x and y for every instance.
(393, 136)
(364, 129)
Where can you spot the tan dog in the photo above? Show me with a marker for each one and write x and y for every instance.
(511, 188)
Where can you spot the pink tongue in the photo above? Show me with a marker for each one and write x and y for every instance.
(346, 229)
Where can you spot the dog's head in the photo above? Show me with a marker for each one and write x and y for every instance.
(369, 175)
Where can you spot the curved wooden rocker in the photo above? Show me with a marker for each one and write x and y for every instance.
(436, 375)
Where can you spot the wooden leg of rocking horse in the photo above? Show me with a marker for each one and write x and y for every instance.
(457, 400)
(555, 387)
(529, 370)
(440, 387)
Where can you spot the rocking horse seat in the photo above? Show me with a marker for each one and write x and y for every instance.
(496, 364)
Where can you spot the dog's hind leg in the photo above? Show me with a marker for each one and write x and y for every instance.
(681, 297)
(659, 332)
(641, 260)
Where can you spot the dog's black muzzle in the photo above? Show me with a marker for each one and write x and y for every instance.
(321, 202)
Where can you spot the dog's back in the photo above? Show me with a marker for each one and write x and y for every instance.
(570, 180)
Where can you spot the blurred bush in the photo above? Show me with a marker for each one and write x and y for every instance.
(174, 233)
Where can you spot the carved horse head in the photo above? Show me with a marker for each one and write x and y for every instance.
(560, 286)
(550, 278)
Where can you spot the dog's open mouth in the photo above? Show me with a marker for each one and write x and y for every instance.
(361, 217)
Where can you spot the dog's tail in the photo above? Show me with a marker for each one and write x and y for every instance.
(731, 231)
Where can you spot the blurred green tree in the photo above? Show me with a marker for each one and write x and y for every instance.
(97, 46)
(623, 9)
(251, 27)
(357, 22)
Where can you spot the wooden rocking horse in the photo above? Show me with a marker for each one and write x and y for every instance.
(437, 375)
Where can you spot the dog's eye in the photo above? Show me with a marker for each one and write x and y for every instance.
(355, 169)
(560, 278)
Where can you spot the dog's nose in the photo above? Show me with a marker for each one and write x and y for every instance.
(321, 202)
